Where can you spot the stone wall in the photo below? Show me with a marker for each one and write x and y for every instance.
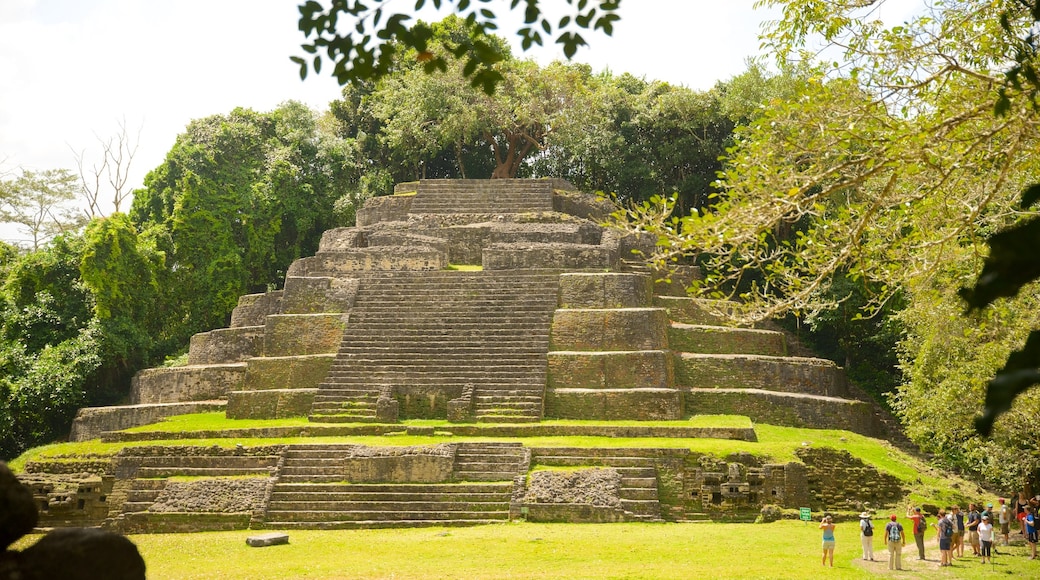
(303, 334)
(381, 258)
(424, 464)
(253, 308)
(225, 345)
(604, 290)
(785, 409)
(270, 404)
(723, 340)
(583, 205)
(315, 295)
(609, 329)
(643, 369)
(190, 383)
(739, 371)
(287, 372)
(838, 481)
(215, 495)
(391, 208)
(91, 422)
(615, 404)
(531, 255)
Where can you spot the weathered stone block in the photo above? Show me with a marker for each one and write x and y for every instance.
(253, 308)
(398, 469)
(785, 409)
(725, 340)
(342, 239)
(609, 329)
(696, 311)
(91, 422)
(610, 370)
(184, 522)
(788, 374)
(268, 539)
(604, 290)
(190, 383)
(270, 404)
(353, 261)
(407, 239)
(297, 334)
(557, 256)
(287, 372)
(390, 208)
(615, 404)
(225, 345)
(315, 295)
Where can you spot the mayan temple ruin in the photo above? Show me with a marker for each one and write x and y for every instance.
(490, 315)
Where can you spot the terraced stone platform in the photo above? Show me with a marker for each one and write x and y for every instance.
(500, 309)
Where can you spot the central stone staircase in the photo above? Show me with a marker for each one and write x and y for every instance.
(418, 335)
(310, 493)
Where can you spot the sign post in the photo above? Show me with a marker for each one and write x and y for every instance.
(805, 514)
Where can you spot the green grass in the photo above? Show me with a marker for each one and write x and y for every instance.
(785, 549)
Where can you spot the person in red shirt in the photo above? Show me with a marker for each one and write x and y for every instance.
(918, 528)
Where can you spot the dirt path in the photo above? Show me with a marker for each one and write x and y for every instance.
(916, 568)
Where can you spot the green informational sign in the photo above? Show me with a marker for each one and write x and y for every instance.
(805, 514)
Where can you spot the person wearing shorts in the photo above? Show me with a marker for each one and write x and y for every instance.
(944, 530)
(1004, 518)
(1030, 527)
(957, 545)
(827, 525)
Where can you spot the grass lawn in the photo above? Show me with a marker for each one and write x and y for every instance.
(785, 549)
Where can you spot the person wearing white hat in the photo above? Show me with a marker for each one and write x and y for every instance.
(866, 535)
(985, 529)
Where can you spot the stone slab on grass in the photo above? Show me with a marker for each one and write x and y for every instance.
(271, 539)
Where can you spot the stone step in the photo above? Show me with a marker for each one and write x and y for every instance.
(376, 515)
(617, 461)
(377, 524)
(198, 471)
(439, 488)
(326, 418)
(641, 493)
(142, 495)
(639, 482)
(485, 475)
(375, 496)
(136, 506)
(444, 505)
(642, 507)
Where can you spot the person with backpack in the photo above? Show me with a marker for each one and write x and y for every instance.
(944, 529)
(919, 525)
(896, 541)
(866, 529)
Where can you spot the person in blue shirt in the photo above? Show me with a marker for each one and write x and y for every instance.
(827, 525)
(1031, 535)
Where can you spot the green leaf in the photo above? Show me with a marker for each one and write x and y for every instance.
(1020, 372)
(1013, 262)
(1030, 195)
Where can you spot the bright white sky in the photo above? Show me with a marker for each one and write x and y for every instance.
(73, 69)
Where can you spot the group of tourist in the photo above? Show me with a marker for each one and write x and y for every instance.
(981, 526)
